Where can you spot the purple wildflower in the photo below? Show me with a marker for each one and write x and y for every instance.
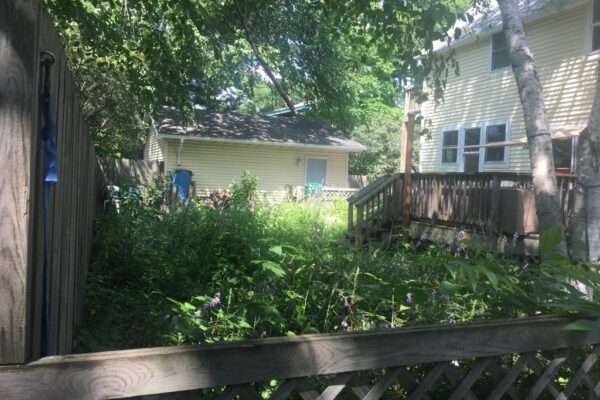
(433, 293)
(445, 299)
(409, 298)
(215, 301)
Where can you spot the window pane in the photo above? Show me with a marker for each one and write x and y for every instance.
(596, 17)
(316, 170)
(500, 59)
(499, 41)
(494, 134)
(472, 136)
(500, 55)
(449, 155)
(450, 138)
(562, 151)
(596, 38)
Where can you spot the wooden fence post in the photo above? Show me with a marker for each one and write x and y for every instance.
(19, 63)
(495, 204)
(408, 135)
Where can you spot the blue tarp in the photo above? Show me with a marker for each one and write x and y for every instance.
(183, 179)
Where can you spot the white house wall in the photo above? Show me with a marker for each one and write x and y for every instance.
(215, 165)
(559, 44)
(154, 148)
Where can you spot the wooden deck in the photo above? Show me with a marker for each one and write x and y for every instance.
(521, 358)
(489, 203)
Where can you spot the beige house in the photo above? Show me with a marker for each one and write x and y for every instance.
(282, 152)
(481, 106)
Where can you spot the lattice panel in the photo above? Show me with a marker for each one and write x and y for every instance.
(564, 374)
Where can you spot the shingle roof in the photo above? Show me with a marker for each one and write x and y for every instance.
(254, 128)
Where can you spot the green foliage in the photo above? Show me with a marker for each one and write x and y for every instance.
(195, 274)
(381, 133)
(349, 59)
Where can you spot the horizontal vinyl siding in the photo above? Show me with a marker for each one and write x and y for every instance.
(215, 165)
(567, 76)
(154, 148)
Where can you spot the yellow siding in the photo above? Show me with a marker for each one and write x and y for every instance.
(566, 72)
(214, 165)
(154, 148)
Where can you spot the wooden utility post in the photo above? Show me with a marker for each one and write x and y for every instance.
(408, 135)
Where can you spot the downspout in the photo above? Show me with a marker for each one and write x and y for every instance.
(179, 151)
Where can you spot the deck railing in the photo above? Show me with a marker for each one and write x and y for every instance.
(453, 199)
(374, 206)
(494, 360)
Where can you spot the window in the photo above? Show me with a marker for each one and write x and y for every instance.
(495, 134)
(471, 154)
(449, 147)
(500, 56)
(596, 26)
(463, 147)
(316, 170)
(563, 155)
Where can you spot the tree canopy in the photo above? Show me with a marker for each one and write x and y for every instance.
(349, 58)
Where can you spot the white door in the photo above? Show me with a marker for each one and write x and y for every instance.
(316, 170)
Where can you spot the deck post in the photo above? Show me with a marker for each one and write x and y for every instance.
(358, 237)
(408, 135)
(495, 204)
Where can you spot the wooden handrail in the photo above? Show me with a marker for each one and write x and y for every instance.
(370, 192)
(119, 374)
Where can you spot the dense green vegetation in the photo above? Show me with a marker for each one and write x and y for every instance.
(194, 274)
(350, 60)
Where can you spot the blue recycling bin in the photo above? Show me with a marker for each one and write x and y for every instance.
(183, 180)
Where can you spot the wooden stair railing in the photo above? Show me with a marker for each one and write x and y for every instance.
(516, 358)
(374, 206)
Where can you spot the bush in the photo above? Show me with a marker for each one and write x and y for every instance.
(195, 274)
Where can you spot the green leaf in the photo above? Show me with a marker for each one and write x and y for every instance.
(472, 275)
(583, 325)
(274, 268)
(550, 239)
(244, 324)
(276, 249)
(187, 307)
(448, 287)
(491, 277)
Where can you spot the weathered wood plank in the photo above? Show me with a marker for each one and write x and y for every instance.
(146, 371)
(18, 63)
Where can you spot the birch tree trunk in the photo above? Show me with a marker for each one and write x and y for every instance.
(536, 121)
(585, 230)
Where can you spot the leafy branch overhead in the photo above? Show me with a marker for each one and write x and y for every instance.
(129, 56)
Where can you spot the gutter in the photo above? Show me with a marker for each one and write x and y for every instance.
(351, 149)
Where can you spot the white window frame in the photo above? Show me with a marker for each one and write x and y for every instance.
(462, 145)
(448, 129)
(496, 164)
(589, 31)
(316, 158)
(483, 165)
(492, 71)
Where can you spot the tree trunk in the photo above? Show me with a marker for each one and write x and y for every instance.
(263, 63)
(586, 212)
(536, 122)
